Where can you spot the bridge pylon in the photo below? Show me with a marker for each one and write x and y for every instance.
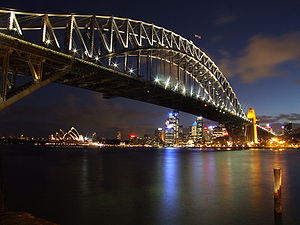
(251, 129)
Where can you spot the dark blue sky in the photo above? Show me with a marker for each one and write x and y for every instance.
(255, 43)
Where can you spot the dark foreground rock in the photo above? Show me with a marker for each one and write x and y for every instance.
(21, 218)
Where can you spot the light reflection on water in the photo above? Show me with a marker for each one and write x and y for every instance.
(170, 191)
(160, 186)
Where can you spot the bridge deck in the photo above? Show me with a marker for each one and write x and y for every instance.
(90, 76)
(111, 83)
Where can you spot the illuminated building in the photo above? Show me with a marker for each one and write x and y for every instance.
(287, 128)
(133, 139)
(159, 135)
(206, 134)
(146, 140)
(197, 130)
(217, 132)
(172, 129)
(71, 135)
(119, 135)
(268, 127)
(214, 133)
(194, 130)
(94, 137)
(251, 129)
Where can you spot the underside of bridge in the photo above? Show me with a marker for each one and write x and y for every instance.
(82, 74)
(134, 60)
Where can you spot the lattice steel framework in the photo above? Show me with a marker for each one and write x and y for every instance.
(132, 47)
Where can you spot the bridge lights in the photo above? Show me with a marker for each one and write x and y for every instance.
(74, 50)
(167, 83)
(48, 41)
(96, 58)
(183, 90)
(176, 87)
(131, 70)
(156, 80)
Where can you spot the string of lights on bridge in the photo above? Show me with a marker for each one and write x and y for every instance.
(122, 31)
(176, 88)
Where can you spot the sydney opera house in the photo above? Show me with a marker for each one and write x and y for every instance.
(70, 136)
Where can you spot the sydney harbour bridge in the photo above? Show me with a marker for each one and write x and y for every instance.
(118, 57)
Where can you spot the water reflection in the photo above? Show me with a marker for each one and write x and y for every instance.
(227, 185)
(84, 176)
(170, 178)
(152, 187)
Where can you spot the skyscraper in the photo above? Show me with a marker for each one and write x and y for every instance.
(159, 135)
(197, 130)
(172, 129)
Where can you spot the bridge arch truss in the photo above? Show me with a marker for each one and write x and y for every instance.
(135, 48)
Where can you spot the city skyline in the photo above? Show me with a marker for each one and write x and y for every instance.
(260, 62)
(149, 112)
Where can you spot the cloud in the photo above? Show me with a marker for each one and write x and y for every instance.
(262, 57)
(226, 19)
(277, 121)
(280, 118)
(226, 63)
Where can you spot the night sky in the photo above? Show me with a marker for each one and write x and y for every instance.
(255, 43)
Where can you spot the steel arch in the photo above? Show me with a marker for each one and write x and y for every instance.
(106, 40)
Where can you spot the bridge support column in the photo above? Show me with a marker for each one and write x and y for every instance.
(36, 70)
(251, 129)
(35, 86)
(5, 68)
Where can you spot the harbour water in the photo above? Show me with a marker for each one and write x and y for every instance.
(127, 186)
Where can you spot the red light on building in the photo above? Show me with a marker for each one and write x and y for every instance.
(132, 136)
(268, 126)
(225, 133)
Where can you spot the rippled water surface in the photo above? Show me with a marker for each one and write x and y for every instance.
(149, 186)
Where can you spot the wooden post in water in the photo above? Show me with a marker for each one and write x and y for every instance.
(277, 191)
(2, 206)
